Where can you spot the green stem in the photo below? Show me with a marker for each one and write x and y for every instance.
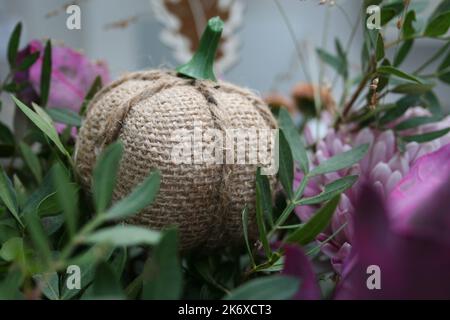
(201, 64)
(291, 205)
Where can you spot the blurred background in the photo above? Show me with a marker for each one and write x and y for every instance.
(258, 51)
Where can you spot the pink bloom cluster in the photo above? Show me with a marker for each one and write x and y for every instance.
(383, 168)
(71, 77)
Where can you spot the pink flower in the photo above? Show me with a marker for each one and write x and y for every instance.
(71, 77)
(408, 240)
(382, 168)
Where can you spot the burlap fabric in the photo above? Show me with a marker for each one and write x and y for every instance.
(143, 109)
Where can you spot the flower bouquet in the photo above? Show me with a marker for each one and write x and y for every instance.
(106, 193)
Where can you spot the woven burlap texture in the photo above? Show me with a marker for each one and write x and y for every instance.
(143, 109)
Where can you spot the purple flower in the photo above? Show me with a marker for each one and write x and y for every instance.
(407, 240)
(383, 167)
(71, 77)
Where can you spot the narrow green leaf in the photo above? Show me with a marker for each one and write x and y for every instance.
(286, 169)
(142, 196)
(276, 287)
(403, 52)
(333, 61)
(293, 138)
(162, 277)
(46, 73)
(260, 215)
(245, 230)
(398, 73)
(13, 45)
(414, 122)
(438, 26)
(408, 28)
(40, 240)
(431, 102)
(68, 204)
(316, 224)
(42, 124)
(341, 161)
(380, 48)
(65, 116)
(123, 235)
(444, 76)
(8, 195)
(32, 161)
(331, 190)
(413, 88)
(28, 61)
(106, 284)
(95, 87)
(105, 173)
(425, 137)
(445, 62)
(266, 195)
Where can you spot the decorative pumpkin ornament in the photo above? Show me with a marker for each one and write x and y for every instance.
(143, 109)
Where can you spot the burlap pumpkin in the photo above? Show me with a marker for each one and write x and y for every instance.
(142, 109)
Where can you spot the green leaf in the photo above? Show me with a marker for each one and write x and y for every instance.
(408, 28)
(68, 204)
(42, 124)
(65, 116)
(445, 62)
(293, 138)
(106, 284)
(87, 262)
(6, 135)
(425, 137)
(49, 284)
(414, 122)
(46, 73)
(162, 277)
(105, 173)
(403, 52)
(276, 287)
(10, 285)
(438, 25)
(13, 45)
(431, 102)
(266, 195)
(40, 240)
(342, 57)
(32, 161)
(28, 61)
(401, 106)
(444, 76)
(341, 161)
(413, 88)
(245, 230)
(335, 62)
(142, 196)
(380, 48)
(286, 169)
(95, 87)
(123, 235)
(331, 190)
(316, 224)
(260, 214)
(8, 195)
(13, 250)
(398, 73)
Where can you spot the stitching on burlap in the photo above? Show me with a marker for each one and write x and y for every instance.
(115, 120)
(221, 121)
